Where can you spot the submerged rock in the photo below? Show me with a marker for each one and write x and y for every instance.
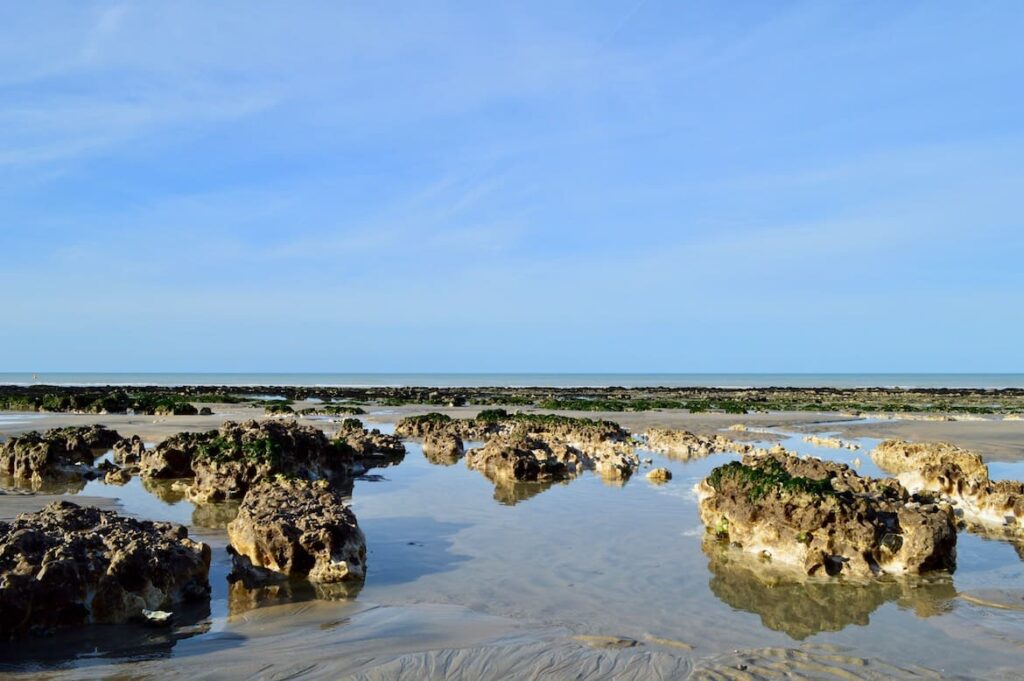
(959, 476)
(58, 452)
(297, 528)
(821, 517)
(68, 565)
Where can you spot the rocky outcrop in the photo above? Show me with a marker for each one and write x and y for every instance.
(684, 445)
(226, 463)
(128, 451)
(443, 448)
(538, 457)
(822, 518)
(831, 442)
(959, 476)
(371, 448)
(172, 458)
(436, 425)
(297, 528)
(659, 475)
(58, 452)
(67, 565)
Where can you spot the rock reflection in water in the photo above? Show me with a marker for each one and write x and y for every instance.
(60, 484)
(803, 607)
(244, 595)
(114, 641)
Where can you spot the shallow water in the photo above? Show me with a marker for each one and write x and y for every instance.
(451, 556)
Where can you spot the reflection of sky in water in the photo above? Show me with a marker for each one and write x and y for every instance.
(627, 560)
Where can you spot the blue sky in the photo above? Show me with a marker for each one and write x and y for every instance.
(594, 186)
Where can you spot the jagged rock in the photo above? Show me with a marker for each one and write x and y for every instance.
(61, 451)
(67, 565)
(129, 451)
(659, 475)
(443, 448)
(435, 424)
(371, 447)
(171, 458)
(524, 459)
(226, 463)
(205, 411)
(959, 476)
(682, 444)
(297, 528)
(822, 517)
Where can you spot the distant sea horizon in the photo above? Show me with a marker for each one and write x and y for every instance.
(553, 380)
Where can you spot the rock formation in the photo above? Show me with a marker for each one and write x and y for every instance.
(443, 448)
(371, 448)
(58, 452)
(684, 445)
(959, 476)
(831, 442)
(67, 565)
(821, 517)
(659, 475)
(297, 528)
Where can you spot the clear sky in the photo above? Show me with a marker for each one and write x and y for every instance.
(550, 186)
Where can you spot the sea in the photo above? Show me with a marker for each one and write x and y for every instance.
(553, 380)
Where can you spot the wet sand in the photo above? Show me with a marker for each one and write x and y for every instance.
(580, 579)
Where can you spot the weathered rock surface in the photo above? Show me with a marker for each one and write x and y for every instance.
(371, 447)
(959, 476)
(67, 565)
(684, 445)
(531, 451)
(297, 528)
(832, 442)
(128, 451)
(822, 517)
(58, 452)
(659, 475)
(443, 448)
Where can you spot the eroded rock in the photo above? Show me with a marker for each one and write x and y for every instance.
(821, 517)
(443, 448)
(959, 476)
(297, 528)
(57, 452)
(684, 445)
(68, 565)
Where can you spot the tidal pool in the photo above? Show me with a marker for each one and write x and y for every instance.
(584, 578)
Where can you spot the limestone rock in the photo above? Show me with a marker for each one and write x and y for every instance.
(659, 475)
(959, 476)
(58, 452)
(822, 517)
(297, 528)
(684, 445)
(67, 565)
(443, 448)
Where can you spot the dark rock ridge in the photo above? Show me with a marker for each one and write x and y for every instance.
(67, 565)
(297, 528)
(822, 518)
(695, 398)
(61, 451)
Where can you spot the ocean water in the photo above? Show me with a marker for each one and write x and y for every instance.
(724, 380)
